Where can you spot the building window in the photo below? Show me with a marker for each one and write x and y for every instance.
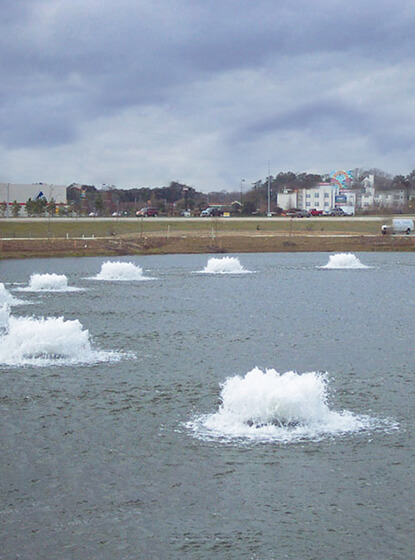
(326, 195)
(308, 195)
(326, 204)
(316, 195)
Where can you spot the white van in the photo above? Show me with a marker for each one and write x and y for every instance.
(399, 225)
(348, 210)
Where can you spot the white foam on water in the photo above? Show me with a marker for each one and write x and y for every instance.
(48, 283)
(4, 317)
(46, 341)
(269, 406)
(7, 298)
(343, 261)
(225, 265)
(120, 272)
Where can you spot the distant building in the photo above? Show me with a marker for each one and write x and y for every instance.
(340, 194)
(10, 192)
(390, 199)
(321, 197)
(287, 199)
(370, 197)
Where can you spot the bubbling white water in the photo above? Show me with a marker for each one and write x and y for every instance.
(6, 297)
(344, 260)
(4, 317)
(46, 341)
(49, 283)
(225, 265)
(266, 405)
(120, 271)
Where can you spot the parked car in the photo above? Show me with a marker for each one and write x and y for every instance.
(298, 213)
(148, 212)
(315, 212)
(337, 212)
(185, 213)
(211, 212)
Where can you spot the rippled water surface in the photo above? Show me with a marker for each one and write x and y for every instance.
(256, 416)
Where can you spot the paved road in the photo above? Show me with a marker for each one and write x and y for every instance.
(197, 219)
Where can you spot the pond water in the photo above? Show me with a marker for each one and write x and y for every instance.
(260, 408)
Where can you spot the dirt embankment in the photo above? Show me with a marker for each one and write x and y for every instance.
(243, 243)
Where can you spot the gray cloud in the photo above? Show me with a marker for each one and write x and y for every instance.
(235, 73)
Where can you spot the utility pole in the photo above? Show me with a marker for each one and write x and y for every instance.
(48, 209)
(185, 190)
(8, 200)
(269, 190)
(242, 181)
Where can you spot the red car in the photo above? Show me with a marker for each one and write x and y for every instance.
(148, 212)
(315, 212)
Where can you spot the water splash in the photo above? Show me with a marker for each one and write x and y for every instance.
(120, 272)
(268, 406)
(4, 318)
(6, 297)
(225, 265)
(344, 260)
(46, 341)
(49, 283)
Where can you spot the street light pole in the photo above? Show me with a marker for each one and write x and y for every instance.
(49, 209)
(242, 181)
(8, 200)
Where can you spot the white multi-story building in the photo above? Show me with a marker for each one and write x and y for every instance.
(367, 196)
(11, 192)
(330, 195)
(390, 199)
(321, 197)
(371, 197)
(287, 199)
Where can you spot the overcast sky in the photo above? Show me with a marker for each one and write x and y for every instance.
(205, 92)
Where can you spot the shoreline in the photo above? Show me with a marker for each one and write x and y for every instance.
(153, 244)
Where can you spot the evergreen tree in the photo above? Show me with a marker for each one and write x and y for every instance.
(51, 208)
(15, 209)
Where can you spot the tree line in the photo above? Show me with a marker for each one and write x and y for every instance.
(172, 199)
(178, 196)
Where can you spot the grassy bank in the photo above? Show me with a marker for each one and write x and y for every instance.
(59, 238)
(63, 228)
